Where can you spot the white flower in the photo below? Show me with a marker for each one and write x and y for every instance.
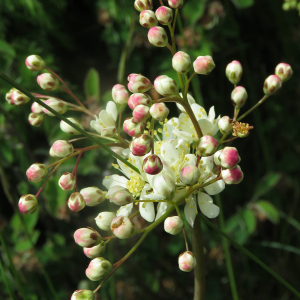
(190, 99)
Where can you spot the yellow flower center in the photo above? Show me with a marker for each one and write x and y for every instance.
(135, 185)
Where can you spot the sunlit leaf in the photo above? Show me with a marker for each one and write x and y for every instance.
(269, 210)
(249, 219)
(92, 85)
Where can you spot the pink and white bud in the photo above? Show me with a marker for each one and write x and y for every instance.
(229, 158)
(175, 3)
(173, 225)
(139, 99)
(152, 164)
(203, 65)
(83, 295)
(35, 63)
(239, 96)
(157, 36)
(95, 251)
(207, 145)
(120, 94)
(132, 127)
(272, 84)
(225, 125)
(28, 204)
(165, 85)
(55, 104)
(104, 219)
(92, 196)
(186, 261)
(232, 176)
(36, 119)
(234, 72)
(98, 268)
(141, 5)
(47, 82)
(36, 172)
(65, 127)
(284, 71)
(159, 111)
(121, 196)
(138, 83)
(148, 19)
(217, 160)
(76, 202)
(37, 108)
(87, 237)
(18, 98)
(181, 62)
(141, 145)
(51, 152)
(67, 181)
(141, 113)
(189, 175)
(164, 15)
(8, 96)
(122, 227)
(62, 148)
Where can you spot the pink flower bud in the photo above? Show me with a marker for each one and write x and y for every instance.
(207, 146)
(36, 172)
(8, 96)
(165, 85)
(181, 62)
(173, 225)
(175, 3)
(28, 204)
(19, 98)
(148, 19)
(47, 82)
(139, 99)
(204, 65)
(189, 175)
(87, 237)
(152, 165)
(186, 261)
(229, 158)
(232, 176)
(157, 36)
(122, 227)
(36, 119)
(120, 197)
(132, 127)
(67, 181)
(225, 125)
(138, 83)
(98, 268)
(51, 152)
(217, 160)
(55, 104)
(284, 71)
(83, 295)
(65, 127)
(76, 202)
(164, 15)
(120, 94)
(272, 85)
(95, 251)
(234, 72)
(62, 148)
(104, 219)
(35, 63)
(239, 96)
(159, 111)
(141, 145)
(141, 5)
(141, 113)
(37, 108)
(92, 196)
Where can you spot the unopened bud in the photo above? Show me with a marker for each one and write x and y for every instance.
(284, 71)
(55, 104)
(120, 94)
(181, 62)
(148, 19)
(186, 261)
(37, 108)
(76, 202)
(141, 5)
(95, 251)
(229, 158)
(239, 96)
(103, 220)
(122, 227)
(203, 65)
(132, 127)
(67, 181)
(92, 196)
(65, 127)
(18, 98)
(217, 160)
(152, 164)
(28, 204)
(173, 225)
(120, 196)
(35, 63)
(234, 72)
(164, 15)
(272, 85)
(139, 99)
(138, 83)
(175, 3)
(62, 148)
(159, 111)
(207, 145)
(87, 237)
(47, 82)
(8, 96)
(232, 176)
(141, 113)
(36, 172)
(141, 145)
(165, 85)
(157, 36)
(52, 153)
(98, 268)
(36, 119)
(225, 125)
(83, 295)
(189, 175)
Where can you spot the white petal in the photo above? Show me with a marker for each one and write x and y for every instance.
(147, 211)
(190, 159)
(111, 108)
(211, 114)
(206, 126)
(107, 119)
(126, 152)
(154, 196)
(206, 205)
(108, 131)
(170, 128)
(125, 210)
(185, 136)
(190, 99)
(190, 210)
(114, 180)
(114, 189)
(215, 188)
(169, 153)
(199, 111)
(95, 125)
(185, 123)
(163, 184)
(162, 207)
(216, 127)
(127, 171)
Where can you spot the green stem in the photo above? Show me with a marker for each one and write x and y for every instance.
(12, 296)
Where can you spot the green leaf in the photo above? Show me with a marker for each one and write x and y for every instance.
(92, 85)
(31, 220)
(193, 10)
(7, 49)
(249, 219)
(25, 244)
(269, 210)
(243, 3)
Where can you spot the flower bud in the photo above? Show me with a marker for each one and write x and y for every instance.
(284, 71)
(138, 83)
(239, 96)
(175, 3)
(173, 225)
(67, 181)
(83, 295)
(141, 145)
(92, 196)
(152, 165)
(37, 108)
(157, 36)
(87, 237)
(103, 220)
(272, 85)
(120, 94)
(76, 202)
(122, 227)
(28, 204)
(120, 197)
(159, 111)
(207, 146)
(204, 65)
(181, 62)
(141, 5)
(141, 113)
(148, 19)
(217, 160)
(47, 82)
(36, 172)
(225, 125)
(139, 99)
(98, 268)
(65, 127)
(51, 152)
(229, 158)
(95, 251)
(18, 98)
(35, 63)
(234, 72)
(165, 85)
(36, 119)
(164, 15)
(189, 175)
(186, 261)
(132, 127)
(8, 96)
(55, 104)
(62, 148)
(232, 176)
